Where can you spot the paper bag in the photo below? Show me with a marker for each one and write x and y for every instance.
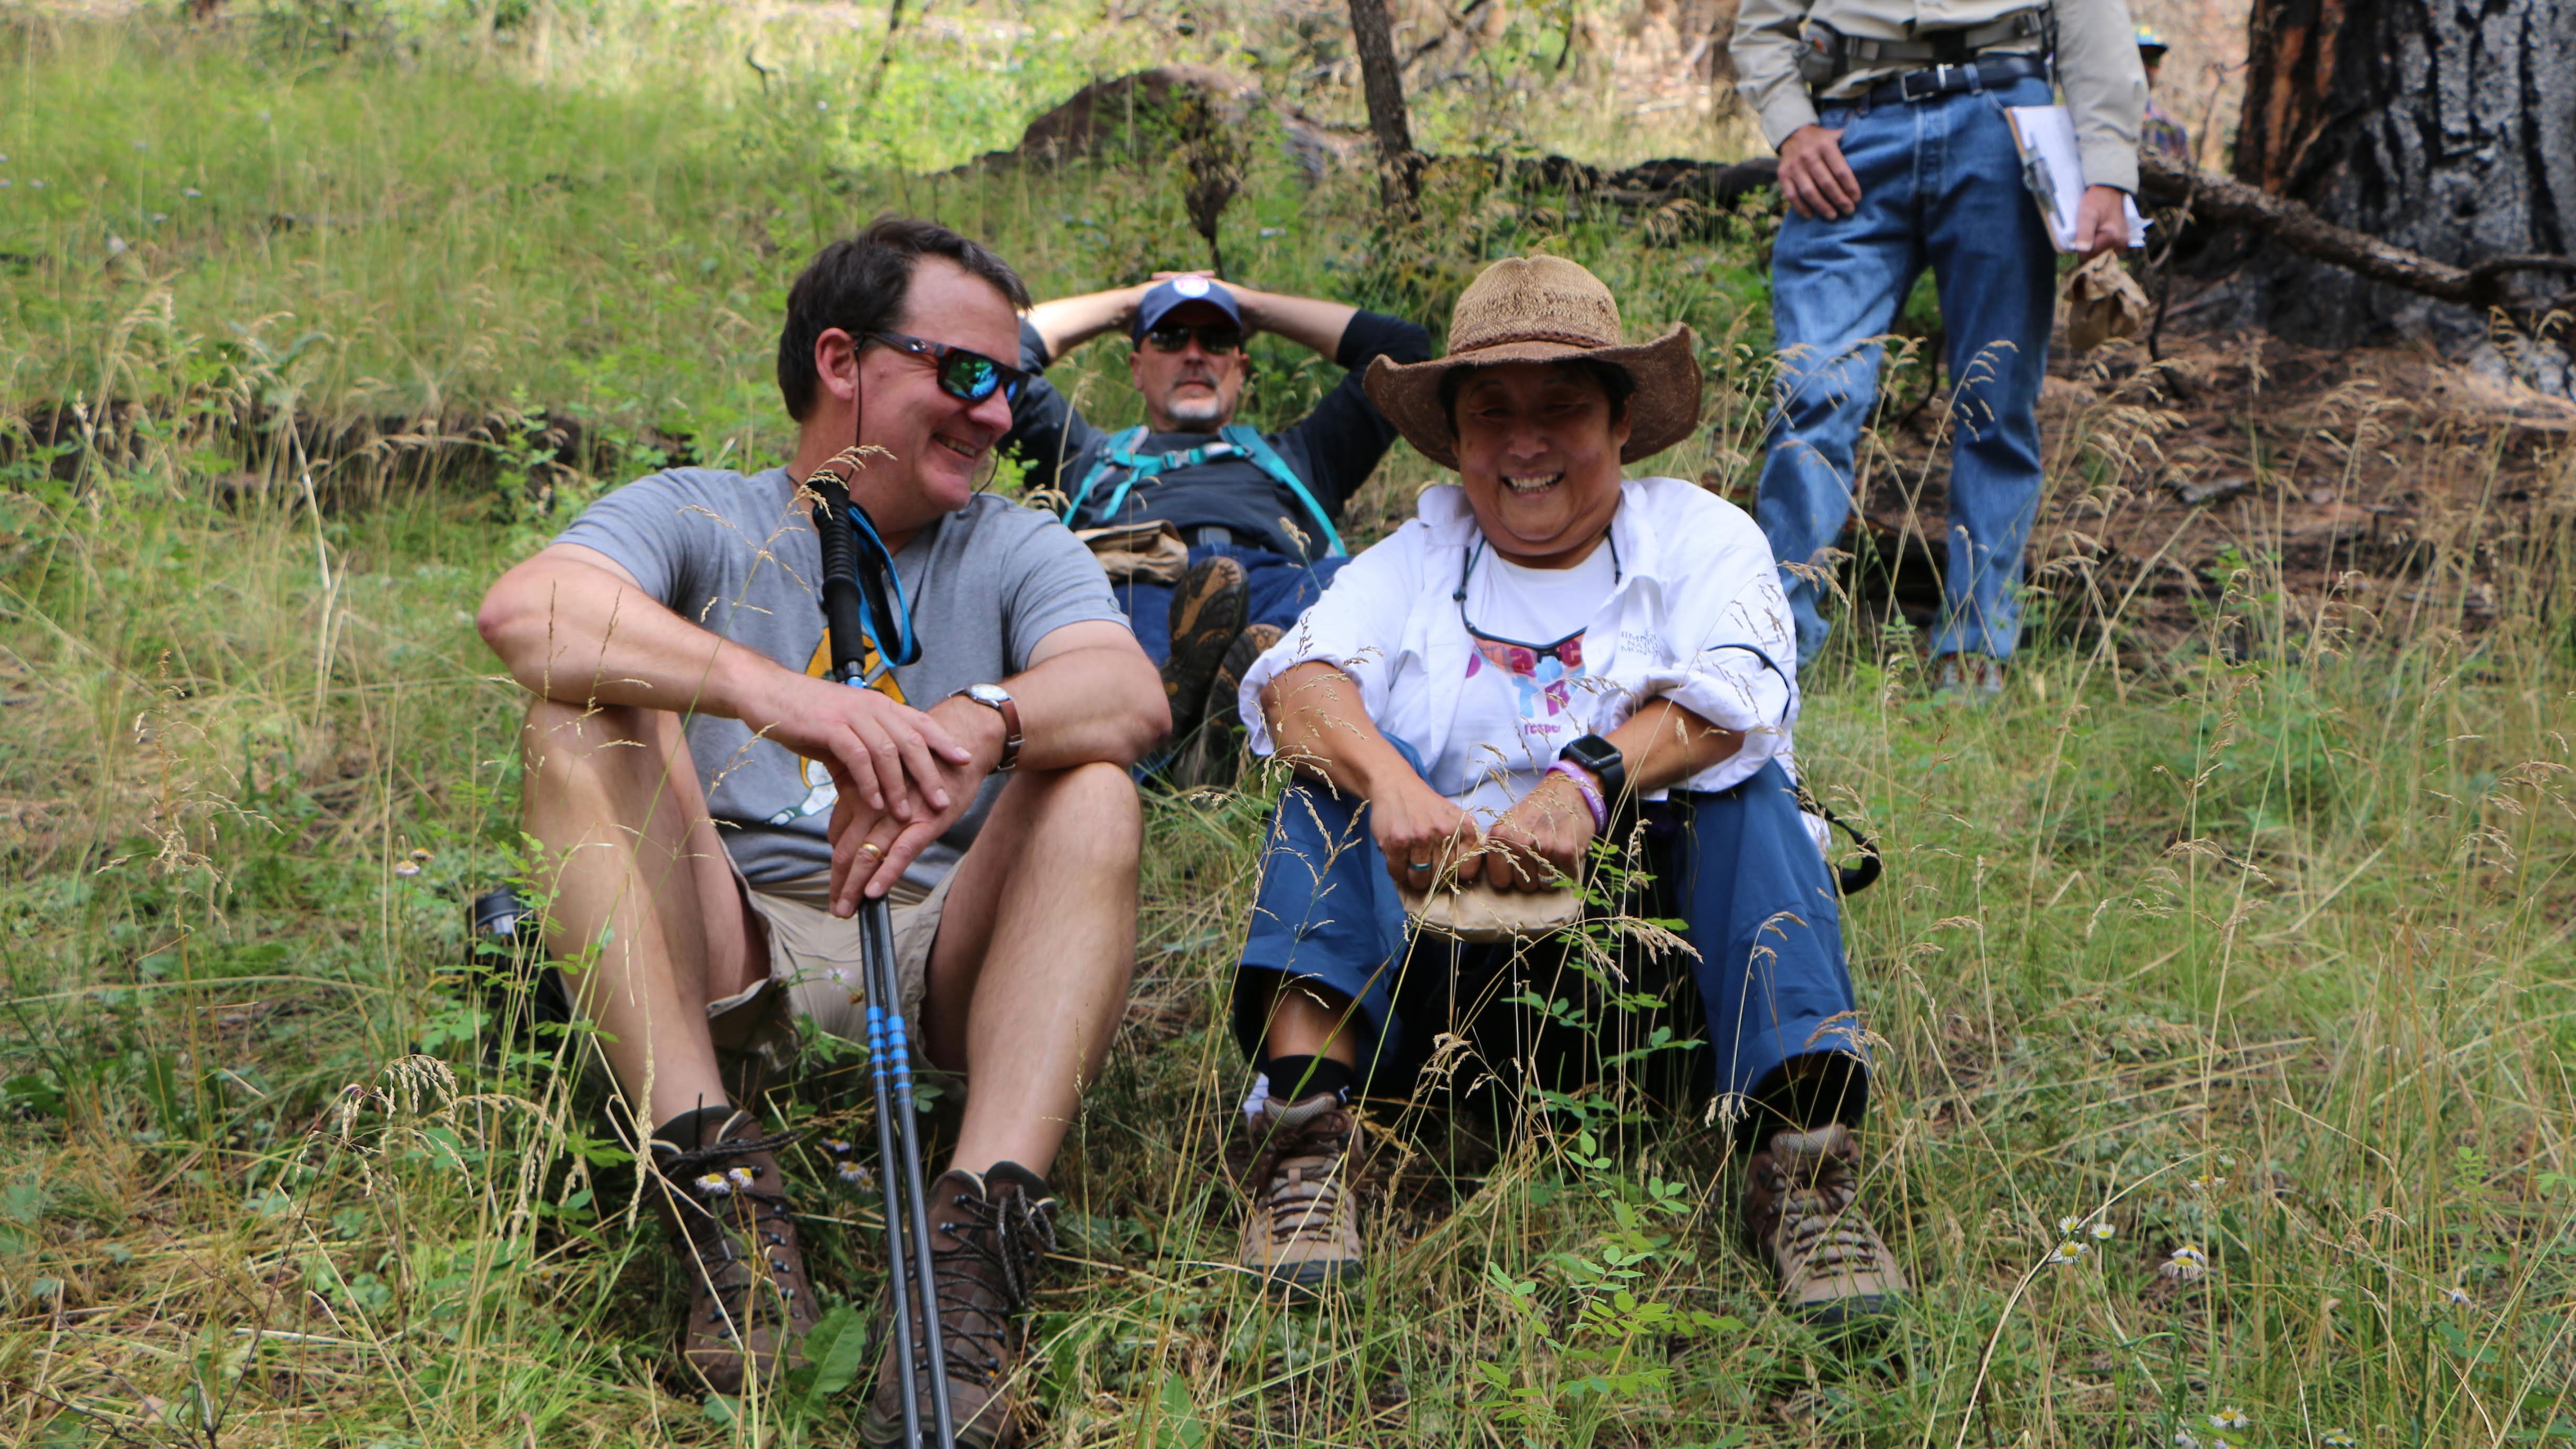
(1152, 552)
(1480, 913)
(2102, 302)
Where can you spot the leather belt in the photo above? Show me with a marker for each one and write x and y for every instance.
(1951, 80)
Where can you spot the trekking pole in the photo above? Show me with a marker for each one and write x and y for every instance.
(856, 594)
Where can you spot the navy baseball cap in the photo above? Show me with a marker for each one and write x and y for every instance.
(1180, 292)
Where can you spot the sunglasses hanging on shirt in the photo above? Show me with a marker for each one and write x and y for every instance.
(863, 596)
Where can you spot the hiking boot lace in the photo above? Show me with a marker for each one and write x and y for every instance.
(1000, 1246)
(1301, 1191)
(708, 1177)
(1819, 1227)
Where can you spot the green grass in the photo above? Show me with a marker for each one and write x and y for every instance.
(2270, 957)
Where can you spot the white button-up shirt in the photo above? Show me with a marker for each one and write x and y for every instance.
(1696, 584)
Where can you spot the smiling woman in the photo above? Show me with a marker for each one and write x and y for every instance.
(1547, 648)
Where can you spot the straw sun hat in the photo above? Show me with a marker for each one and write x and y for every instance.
(1543, 309)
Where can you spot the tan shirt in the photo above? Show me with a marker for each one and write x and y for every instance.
(2097, 63)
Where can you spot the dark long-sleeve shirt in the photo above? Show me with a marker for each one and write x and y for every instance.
(1332, 450)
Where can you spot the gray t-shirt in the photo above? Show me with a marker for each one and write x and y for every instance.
(739, 556)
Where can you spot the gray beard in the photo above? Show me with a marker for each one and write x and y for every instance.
(1203, 417)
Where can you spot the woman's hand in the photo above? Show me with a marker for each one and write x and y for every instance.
(1540, 839)
(1426, 838)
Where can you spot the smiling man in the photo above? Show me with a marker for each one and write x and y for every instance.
(1257, 510)
(712, 809)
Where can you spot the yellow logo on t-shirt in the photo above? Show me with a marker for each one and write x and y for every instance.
(820, 793)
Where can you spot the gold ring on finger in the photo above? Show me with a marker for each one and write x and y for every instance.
(872, 850)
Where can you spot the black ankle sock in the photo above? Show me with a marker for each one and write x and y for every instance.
(1296, 1078)
(689, 1131)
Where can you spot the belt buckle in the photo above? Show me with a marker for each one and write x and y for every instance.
(1906, 92)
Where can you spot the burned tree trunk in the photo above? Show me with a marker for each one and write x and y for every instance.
(1382, 80)
(2448, 130)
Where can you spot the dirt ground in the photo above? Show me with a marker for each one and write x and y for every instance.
(2255, 485)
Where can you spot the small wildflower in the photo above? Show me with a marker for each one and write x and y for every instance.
(420, 854)
(855, 1174)
(5, 183)
(160, 216)
(193, 194)
(2069, 1252)
(2068, 1224)
(2457, 1297)
(2185, 1439)
(2338, 1439)
(2220, 1441)
(407, 868)
(713, 1184)
(2230, 1417)
(2101, 1232)
(822, 105)
(741, 1177)
(2187, 1265)
(142, 145)
(836, 1146)
(39, 185)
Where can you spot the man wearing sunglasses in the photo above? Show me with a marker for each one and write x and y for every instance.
(712, 809)
(1259, 512)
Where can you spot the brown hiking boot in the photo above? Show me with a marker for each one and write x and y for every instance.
(1302, 1232)
(750, 1304)
(1799, 1210)
(1208, 610)
(1214, 756)
(987, 1236)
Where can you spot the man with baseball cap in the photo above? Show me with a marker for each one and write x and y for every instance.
(1258, 512)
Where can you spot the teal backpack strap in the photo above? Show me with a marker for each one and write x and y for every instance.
(1117, 453)
(1249, 442)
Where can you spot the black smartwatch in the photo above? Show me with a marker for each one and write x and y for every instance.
(1605, 762)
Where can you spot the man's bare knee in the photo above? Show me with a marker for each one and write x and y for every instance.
(1098, 799)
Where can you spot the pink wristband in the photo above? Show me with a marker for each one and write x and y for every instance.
(1591, 795)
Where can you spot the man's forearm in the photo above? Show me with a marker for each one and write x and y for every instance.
(578, 634)
(1083, 706)
(1068, 322)
(1310, 322)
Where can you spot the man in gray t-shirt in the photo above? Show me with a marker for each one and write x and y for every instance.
(713, 808)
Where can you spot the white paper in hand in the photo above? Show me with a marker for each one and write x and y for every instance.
(2054, 171)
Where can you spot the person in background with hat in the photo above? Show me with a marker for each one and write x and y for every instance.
(1546, 653)
(1259, 512)
(1895, 154)
(2159, 131)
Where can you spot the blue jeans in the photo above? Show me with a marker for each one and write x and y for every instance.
(1759, 907)
(1281, 587)
(1940, 185)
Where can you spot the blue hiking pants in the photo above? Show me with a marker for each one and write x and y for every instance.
(1941, 186)
(1737, 866)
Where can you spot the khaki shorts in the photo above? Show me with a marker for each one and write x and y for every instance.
(818, 959)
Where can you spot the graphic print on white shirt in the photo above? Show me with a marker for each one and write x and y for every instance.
(1520, 702)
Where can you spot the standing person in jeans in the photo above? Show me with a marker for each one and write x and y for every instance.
(711, 809)
(1259, 512)
(1894, 155)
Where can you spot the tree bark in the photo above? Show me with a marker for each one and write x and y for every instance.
(2445, 130)
(1382, 81)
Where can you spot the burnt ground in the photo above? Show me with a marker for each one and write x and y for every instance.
(2244, 486)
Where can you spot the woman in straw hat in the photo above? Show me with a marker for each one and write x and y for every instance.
(1546, 654)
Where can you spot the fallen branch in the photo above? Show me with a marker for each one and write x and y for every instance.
(2212, 197)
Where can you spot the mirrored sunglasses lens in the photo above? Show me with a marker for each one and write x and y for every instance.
(1220, 340)
(970, 377)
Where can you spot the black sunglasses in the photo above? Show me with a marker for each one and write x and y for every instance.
(1216, 339)
(963, 375)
